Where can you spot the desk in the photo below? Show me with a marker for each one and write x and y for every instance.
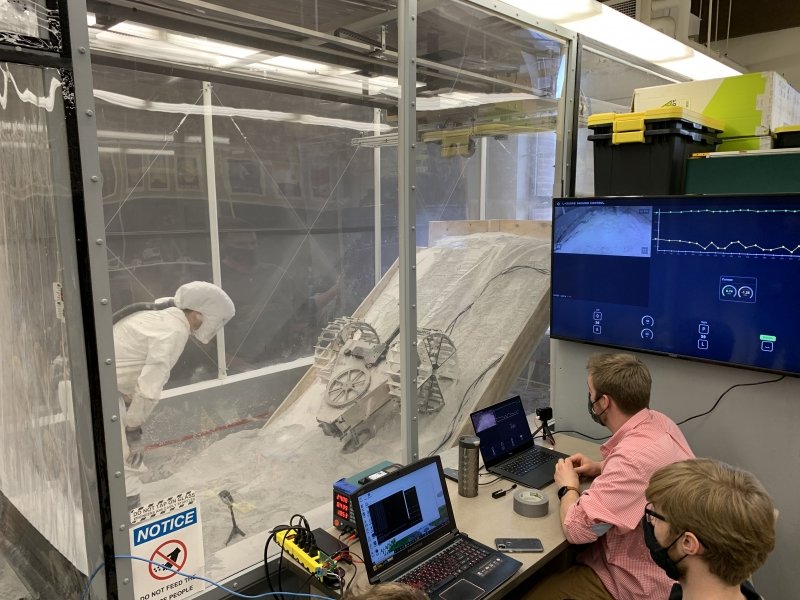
(484, 518)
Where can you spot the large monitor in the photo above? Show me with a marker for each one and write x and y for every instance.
(714, 278)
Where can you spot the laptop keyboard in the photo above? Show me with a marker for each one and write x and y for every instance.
(527, 462)
(445, 566)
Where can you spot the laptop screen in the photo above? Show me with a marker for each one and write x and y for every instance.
(402, 513)
(503, 430)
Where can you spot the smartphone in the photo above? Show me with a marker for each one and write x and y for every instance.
(519, 544)
(451, 474)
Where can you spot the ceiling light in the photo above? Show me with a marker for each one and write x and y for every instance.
(91, 19)
(611, 27)
(136, 30)
(134, 136)
(226, 54)
(150, 151)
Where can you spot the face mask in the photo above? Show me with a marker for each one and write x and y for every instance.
(207, 330)
(595, 417)
(658, 553)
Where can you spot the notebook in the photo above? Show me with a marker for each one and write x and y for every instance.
(507, 445)
(408, 534)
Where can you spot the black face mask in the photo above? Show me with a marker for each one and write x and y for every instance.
(595, 417)
(658, 553)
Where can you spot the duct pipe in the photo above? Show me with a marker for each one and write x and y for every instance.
(680, 21)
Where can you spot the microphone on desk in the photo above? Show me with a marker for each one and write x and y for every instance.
(501, 493)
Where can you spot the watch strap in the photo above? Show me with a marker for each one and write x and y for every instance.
(562, 491)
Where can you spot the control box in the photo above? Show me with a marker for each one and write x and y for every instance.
(343, 490)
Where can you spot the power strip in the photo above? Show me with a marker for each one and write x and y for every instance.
(320, 565)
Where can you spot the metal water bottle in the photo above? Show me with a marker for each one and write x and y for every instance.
(468, 465)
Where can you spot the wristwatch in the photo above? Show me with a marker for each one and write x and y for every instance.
(562, 491)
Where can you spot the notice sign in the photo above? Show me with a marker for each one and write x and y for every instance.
(171, 542)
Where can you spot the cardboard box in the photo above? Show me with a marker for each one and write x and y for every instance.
(750, 105)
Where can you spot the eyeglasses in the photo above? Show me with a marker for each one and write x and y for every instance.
(651, 514)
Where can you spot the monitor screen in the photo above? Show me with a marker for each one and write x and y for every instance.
(713, 278)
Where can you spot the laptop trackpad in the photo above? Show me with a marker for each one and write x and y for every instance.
(462, 590)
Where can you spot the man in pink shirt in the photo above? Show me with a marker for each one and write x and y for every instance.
(616, 564)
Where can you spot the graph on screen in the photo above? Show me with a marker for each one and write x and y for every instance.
(744, 232)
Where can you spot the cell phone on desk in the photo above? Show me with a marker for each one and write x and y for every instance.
(509, 544)
(451, 474)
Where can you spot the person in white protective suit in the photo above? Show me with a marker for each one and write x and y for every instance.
(147, 345)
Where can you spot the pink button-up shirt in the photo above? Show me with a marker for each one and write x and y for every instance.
(608, 514)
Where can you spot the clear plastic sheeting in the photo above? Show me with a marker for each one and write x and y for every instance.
(21, 20)
(479, 291)
(38, 459)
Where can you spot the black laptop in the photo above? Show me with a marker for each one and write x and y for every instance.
(507, 445)
(408, 534)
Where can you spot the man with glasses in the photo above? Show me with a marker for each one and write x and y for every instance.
(607, 516)
(709, 526)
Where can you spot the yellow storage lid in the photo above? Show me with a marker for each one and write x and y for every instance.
(601, 119)
(628, 137)
(786, 129)
(629, 122)
(677, 112)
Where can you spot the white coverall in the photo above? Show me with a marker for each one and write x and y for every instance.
(147, 345)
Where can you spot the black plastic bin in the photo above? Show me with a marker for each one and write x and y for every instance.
(786, 137)
(645, 153)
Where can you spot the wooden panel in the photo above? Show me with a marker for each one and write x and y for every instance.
(536, 229)
(439, 229)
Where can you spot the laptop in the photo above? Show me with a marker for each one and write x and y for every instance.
(507, 445)
(408, 534)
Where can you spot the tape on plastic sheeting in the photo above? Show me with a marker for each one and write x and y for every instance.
(531, 503)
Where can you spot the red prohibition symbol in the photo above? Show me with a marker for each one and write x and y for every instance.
(170, 554)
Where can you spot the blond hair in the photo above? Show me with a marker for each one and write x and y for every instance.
(623, 377)
(726, 508)
(389, 591)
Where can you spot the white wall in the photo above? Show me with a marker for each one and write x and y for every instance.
(753, 427)
(775, 51)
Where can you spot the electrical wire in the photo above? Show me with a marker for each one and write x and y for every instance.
(451, 427)
(728, 390)
(449, 329)
(716, 403)
(85, 594)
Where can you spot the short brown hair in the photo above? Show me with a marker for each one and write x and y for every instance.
(623, 377)
(727, 508)
(389, 591)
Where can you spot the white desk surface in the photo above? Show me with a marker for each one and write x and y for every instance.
(485, 518)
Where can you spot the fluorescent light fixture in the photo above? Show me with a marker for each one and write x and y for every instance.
(135, 136)
(611, 27)
(226, 54)
(184, 108)
(560, 10)
(196, 139)
(91, 19)
(306, 66)
(136, 30)
(150, 151)
(699, 66)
